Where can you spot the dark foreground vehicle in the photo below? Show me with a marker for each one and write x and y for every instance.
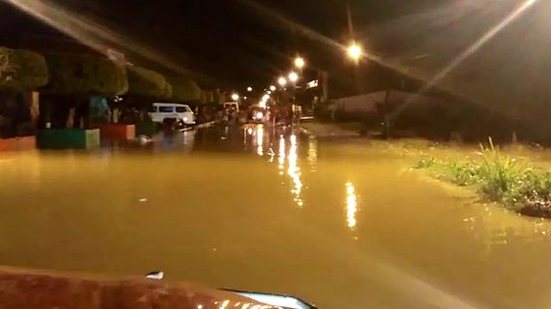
(21, 288)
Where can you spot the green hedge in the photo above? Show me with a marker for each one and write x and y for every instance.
(22, 69)
(85, 74)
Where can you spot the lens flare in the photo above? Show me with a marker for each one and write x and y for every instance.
(473, 48)
(90, 32)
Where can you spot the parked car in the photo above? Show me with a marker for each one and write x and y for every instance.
(257, 115)
(159, 112)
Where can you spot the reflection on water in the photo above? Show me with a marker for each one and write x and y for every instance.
(260, 140)
(494, 228)
(293, 166)
(209, 209)
(351, 205)
(282, 155)
(181, 141)
(312, 153)
(25, 166)
(294, 171)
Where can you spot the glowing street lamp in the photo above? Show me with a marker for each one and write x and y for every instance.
(299, 62)
(235, 97)
(249, 89)
(266, 97)
(273, 88)
(293, 77)
(282, 81)
(354, 51)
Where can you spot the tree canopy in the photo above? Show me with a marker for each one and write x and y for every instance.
(147, 83)
(184, 89)
(219, 97)
(167, 91)
(22, 69)
(85, 74)
(208, 97)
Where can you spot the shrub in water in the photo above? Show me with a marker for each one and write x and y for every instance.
(498, 173)
(499, 178)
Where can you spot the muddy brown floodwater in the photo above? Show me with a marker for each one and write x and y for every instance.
(343, 225)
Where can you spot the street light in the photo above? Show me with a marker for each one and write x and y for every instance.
(273, 88)
(293, 77)
(235, 97)
(249, 89)
(354, 51)
(299, 62)
(282, 81)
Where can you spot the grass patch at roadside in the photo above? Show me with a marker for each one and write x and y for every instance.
(515, 184)
(326, 129)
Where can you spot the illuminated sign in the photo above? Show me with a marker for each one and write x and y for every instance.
(312, 84)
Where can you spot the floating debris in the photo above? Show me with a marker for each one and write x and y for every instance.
(155, 275)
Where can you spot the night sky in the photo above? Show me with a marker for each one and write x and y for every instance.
(234, 43)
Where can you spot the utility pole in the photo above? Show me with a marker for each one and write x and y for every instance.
(349, 19)
(352, 37)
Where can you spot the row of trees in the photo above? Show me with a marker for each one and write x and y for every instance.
(20, 71)
(69, 80)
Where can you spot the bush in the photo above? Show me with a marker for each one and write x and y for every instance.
(22, 70)
(532, 188)
(499, 174)
(83, 74)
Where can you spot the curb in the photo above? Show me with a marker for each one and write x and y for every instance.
(205, 125)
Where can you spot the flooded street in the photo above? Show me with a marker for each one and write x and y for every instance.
(343, 225)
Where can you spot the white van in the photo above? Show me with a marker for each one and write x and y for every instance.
(180, 112)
